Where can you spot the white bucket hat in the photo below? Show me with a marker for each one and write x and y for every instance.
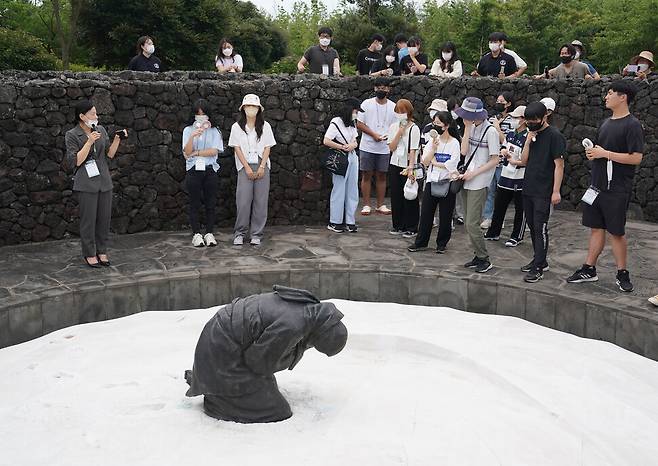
(251, 99)
(438, 105)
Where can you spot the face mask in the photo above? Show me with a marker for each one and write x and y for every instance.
(577, 56)
(150, 49)
(514, 123)
(499, 107)
(494, 46)
(438, 129)
(201, 118)
(413, 50)
(535, 126)
(381, 94)
(251, 111)
(91, 123)
(378, 47)
(390, 58)
(565, 60)
(454, 115)
(446, 56)
(402, 117)
(642, 67)
(354, 116)
(325, 42)
(227, 52)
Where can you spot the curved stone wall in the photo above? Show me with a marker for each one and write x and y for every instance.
(36, 202)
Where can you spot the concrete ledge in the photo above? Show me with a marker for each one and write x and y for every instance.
(41, 313)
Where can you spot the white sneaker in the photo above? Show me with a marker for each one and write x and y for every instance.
(486, 223)
(238, 241)
(255, 241)
(197, 240)
(209, 239)
(654, 300)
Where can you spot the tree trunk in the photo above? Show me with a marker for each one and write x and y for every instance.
(66, 37)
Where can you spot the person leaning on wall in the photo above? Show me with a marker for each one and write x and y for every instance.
(88, 149)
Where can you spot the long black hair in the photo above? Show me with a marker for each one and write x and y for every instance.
(345, 112)
(446, 119)
(220, 54)
(448, 47)
(260, 122)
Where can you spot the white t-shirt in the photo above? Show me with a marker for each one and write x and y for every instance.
(400, 158)
(520, 63)
(251, 146)
(489, 146)
(457, 70)
(378, 118)
(228, 61)
(447, 153)
(350, 132)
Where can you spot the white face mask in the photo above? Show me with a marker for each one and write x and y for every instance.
(325, 42)
(251, 111)
(201, 121)
(150, 49)
(494, 46)
(577, 55)
(514, 123)
(446, 56)
(354, 116)
(642, 67)
(227, 52)
(91, 123)
(378, 47)
(390, 58)
(413, 50)
(402, 117)
(454, 115)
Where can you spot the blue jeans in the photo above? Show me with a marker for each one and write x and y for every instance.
(491, 194)
(345, 193)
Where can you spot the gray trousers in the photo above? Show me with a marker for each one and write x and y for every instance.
(251, 198)
(95, 215)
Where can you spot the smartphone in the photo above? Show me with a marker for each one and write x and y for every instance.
(632, 68)
(121, 133)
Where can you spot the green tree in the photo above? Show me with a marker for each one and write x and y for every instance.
(22, 51)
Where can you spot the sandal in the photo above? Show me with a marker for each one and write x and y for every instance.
(366, 210)
(102, 262)
(93, 266)
(382, 209)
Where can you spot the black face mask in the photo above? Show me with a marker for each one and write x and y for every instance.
(381, 94)
(499, 107)
(438, 129)
(566, 60)
(532, 126)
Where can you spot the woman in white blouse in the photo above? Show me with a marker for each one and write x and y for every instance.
(226, 60)
(441, 156)
(449, 65)
(251, 138)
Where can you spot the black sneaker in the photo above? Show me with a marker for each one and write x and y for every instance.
(414, 248)
(489, 237)
(409, 234)
(460, 220)
(483, 266)
(335, 228)
(533, 276)
(473, 263)
(440, 249)
(395, 232)
(586, 273)
(351, 228)
(624, 281)
(528, 267)
(512, 243)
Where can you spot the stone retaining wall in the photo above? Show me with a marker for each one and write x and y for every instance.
(36, 109)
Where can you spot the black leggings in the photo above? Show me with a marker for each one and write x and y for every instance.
(404, 213)
(427, 209)
(202, 187)
(501, 202)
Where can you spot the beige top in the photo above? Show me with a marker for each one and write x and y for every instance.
(578, 71)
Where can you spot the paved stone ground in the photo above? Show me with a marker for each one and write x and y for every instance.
(27, 269)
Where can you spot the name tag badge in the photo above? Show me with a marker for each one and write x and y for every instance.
(325, 70)
(92, 169)
(200, 164)
(590, 195)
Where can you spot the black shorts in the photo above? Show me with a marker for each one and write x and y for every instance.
(608, 212)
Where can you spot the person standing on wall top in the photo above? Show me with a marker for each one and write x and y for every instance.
(321, 59)
(145, 60)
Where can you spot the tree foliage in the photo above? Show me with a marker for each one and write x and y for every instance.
(22, 51)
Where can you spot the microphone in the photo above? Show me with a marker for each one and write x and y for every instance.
(93, 128)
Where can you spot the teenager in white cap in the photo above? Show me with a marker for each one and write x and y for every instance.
(252, 138)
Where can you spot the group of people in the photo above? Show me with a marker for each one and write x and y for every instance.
(466, 153)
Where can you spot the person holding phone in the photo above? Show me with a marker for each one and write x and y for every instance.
(641, 66)
(202, 143)
(88, 149)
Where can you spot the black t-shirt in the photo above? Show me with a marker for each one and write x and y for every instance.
(540, 170)
(406, 64)
(384, 65)
(623, 135)
(490, 66)
(317, 58)
(365, 60)
(141, 63)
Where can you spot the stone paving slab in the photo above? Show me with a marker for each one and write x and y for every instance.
(161, 271)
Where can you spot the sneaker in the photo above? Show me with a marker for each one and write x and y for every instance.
(624, 281)
(460, 220)
(533, 276)
(335, 228)
(409, 234)
(486, 223)
(435, 223)
(395, 232)
(238, 240)
(197, 240)
(351, 228)
(473, 263)
(452, 225)
(503, 225)
(209, 239)
(654, 300)
(366, 210)
(531, 265)
(255, 241)
(511, 243)
(483, 266)
(440, 249)
(414, 248)
(586, 273)
(382, 209)
(491, 237)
